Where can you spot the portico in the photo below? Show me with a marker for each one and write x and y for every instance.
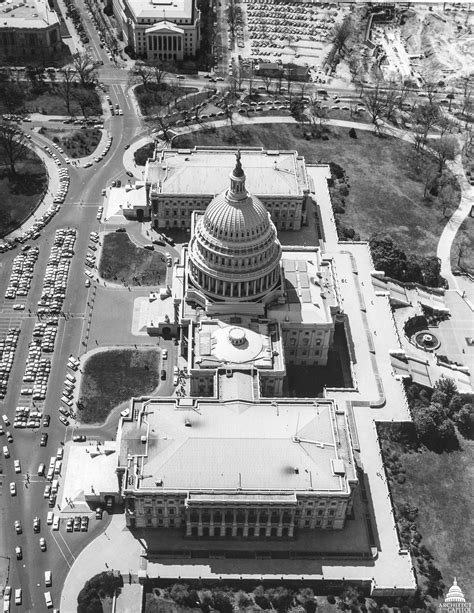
(165, 41)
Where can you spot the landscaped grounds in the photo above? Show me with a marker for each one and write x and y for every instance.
(76, 143)
(20, 193)
(123, 262)
(114, 376)
(385, 192)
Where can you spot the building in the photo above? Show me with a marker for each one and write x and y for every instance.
(29, 30)
(159, 30)
(264, 466)
(180, 181)
(241, 468)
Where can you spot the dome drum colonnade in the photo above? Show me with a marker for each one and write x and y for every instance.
(234, 251)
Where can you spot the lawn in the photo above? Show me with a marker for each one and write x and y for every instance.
(115, 376)
(76, 143)
(49, 102)
(122, 261)
(143, 154)
(385, 193)
(462, 252)
(440, 486)
(157, 99)
(20, 194)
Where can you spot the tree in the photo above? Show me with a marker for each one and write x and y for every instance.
(446, 198)
(445, 149)
(339, 35)
(465, 421)
(375, 102)
(316, 112)
(434, 428)
(425, 116)
(83, 63)
(65, 85)
(446, 386)
(428, 172)
(84, 99)
(234, 17)
(13, 96)
(267, 81)
(13, 146)
(387, 256)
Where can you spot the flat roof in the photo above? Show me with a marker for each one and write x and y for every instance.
(34, 14)
(161, 10)
(280, 445)
(206, 171)
(309, 289)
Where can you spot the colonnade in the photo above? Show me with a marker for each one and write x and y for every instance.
(241, 522)
(236, 289)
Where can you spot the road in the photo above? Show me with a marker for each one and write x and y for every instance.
(79, 211)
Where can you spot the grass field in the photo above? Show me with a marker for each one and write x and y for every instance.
(440, 486)
(125, 263)
(161, 98)
(115, 376)
(385, 193)
(20, 194)
(51, 103)
(76, 143)
(141, 155)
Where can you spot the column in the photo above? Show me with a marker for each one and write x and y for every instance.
(234, 523)
(257, 523)
(292, 524)
(160, 43)
(268, 530)
(200, 523)
(211, 522)
(280, 524)
(246, 523)
(188, 523)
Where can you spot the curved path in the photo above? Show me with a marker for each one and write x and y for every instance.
(448, 235)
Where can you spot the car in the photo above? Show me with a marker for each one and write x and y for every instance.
(42, 544)
(163, 375)
(77, 523)
(48, 578)
(18, 527)
(18, 597)
(19, 552)
(149, 247)
(6, 420)
(121, 229)
(84, 523)
(70, 525)
(63, 420)
(36, 524)
(79, 438)
(48, 600)
(129, 173)
(98, 513)
(87, 283)
(9, 436)
(50, 518)
(7, 593)
(13, 488)
(17, 466)
(18, 307)
(46, 420)
(44, 439)
(47, 490)
(126, 146)
(164, 354)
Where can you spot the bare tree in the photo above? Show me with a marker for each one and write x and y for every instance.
(164, 124)
(268, 81)
(84, 99)
(234, 17)
(13, 146)
(446, 198)
(65, 85)
(316, 113)
(444, 149)
(428, 172)
(375, 103)
(426, 116)
(339, 35)
(84, 66)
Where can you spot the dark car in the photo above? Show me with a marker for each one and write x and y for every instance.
(126, 146)
(150, 247)
(77, 523)
(79, 438)
(130, 174)
(121, 229)
(44, 439)
(46, 420)
(163, 375)
(70, 525)
(156, 241)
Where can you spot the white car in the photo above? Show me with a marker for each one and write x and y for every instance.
(12, 489)
(17, 466)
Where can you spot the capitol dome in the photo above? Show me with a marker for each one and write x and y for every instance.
(234, 251)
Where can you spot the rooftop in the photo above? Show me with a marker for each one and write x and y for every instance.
(266, 446)
(160, 9)
(309, 289)
(206, 171)
(31, 14)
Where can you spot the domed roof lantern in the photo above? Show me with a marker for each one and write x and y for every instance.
(237, 190)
